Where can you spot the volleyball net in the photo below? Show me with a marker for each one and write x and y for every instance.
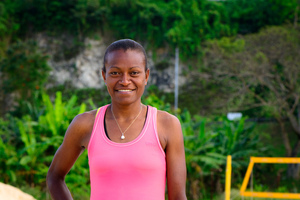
(253, 160)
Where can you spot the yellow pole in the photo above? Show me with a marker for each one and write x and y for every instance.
(228, 178)
(278, 195)
(247, 176)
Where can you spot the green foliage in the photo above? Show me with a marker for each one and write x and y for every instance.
(264, 73)
(32, 158)
(74, 16)
(183, 24)
(255, 73)
(262, 79)
(57, 117)
(29, 139)
(223, 138)
(207, 143)
(78, 178)
(8, 160)
(7, 27)
(251, 16)
(156, 102)
(34, 107)
(23, 70)
(27, 146)
(180, 24)
(200, 147)
(238, 140)
(230, 46)
(92, 97)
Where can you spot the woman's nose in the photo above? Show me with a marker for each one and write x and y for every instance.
(125, 80)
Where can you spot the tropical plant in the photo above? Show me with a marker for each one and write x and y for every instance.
(33, 157)
(236, 138)
(207, 144)
(40, 137)
(153, 100)
(8, 153)
(27, 146)
(57, 116)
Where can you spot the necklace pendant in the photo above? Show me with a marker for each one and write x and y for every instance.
(122, 136)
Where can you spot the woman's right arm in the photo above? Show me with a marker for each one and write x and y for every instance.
(75, 141)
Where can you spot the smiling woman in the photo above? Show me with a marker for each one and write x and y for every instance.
(133, 149)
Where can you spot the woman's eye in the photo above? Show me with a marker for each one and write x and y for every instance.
(134, 73)
(114, 73)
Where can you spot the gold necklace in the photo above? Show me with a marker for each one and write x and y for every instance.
(123, 136)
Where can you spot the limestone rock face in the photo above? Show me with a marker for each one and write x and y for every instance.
(81, 67)
(8, 192)
(77, 66)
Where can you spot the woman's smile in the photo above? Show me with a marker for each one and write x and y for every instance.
(125, 91)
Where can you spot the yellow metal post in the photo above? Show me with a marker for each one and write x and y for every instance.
(247, 176)
(278, 195)
(228, 178)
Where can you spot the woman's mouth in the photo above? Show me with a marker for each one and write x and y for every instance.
(124, 90)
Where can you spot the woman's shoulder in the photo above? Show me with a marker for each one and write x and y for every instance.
(81, 128)
(86, 117)
(82, 124)
(166, 118)
(168, 128)
(167, 123)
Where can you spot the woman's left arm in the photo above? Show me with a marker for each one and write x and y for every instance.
(175, 156)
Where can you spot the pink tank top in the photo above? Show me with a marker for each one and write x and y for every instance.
(127, 171)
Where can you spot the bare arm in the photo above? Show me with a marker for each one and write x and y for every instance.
(66, 155)
(170, 128)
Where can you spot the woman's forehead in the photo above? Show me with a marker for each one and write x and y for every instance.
(125, 53)
(125, 56)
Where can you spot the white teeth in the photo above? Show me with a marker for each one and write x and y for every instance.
(124, 90)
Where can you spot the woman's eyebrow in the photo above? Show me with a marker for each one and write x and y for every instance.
(134, 67)
(113, 66)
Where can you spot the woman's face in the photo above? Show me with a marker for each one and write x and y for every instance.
(125, 76)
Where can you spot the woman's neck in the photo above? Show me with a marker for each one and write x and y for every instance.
(126, 111)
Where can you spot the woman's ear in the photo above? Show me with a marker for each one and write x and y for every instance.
(104, 76)
(147, 76)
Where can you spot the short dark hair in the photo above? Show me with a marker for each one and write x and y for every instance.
(124, 44)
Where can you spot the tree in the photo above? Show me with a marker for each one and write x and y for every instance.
(261, 70)
(251, 16)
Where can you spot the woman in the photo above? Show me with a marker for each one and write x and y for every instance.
(133, 149)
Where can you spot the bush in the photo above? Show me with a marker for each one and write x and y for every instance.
(22, 71)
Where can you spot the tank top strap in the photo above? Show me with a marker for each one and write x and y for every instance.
(97, 112)
(153, 116)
